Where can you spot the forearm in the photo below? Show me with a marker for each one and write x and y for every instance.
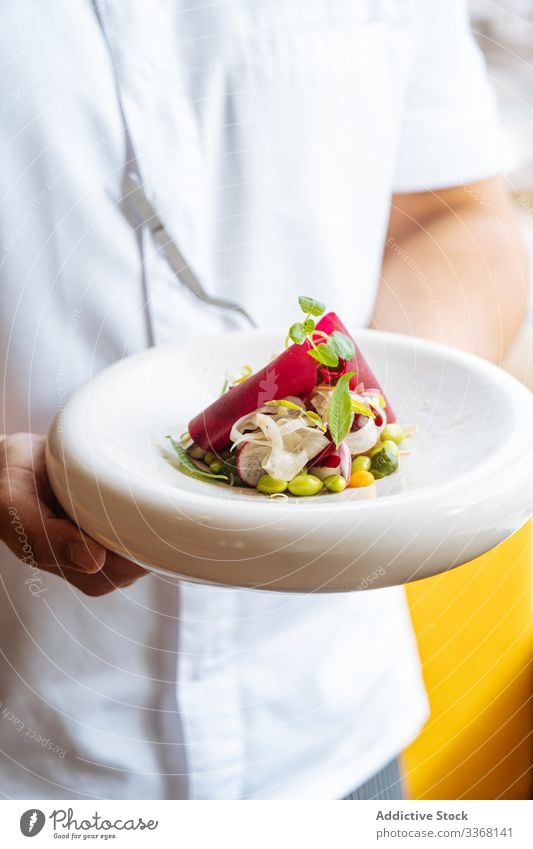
(459, 278)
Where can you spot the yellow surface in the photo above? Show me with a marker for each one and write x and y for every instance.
(474, 627)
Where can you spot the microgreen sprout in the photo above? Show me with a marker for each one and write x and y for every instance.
(334, 347)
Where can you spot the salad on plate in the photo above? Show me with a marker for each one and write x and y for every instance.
(313, 421)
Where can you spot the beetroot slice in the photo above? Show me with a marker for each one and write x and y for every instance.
(363, 373)
(292, 373)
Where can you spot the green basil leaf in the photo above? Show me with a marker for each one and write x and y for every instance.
(309, 325)
(297, 333)
(342, 345)
(340, 409)
(189, 466)
(310, 306)
(325, 355)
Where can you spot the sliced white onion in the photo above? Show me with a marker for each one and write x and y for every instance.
(320, 401)
(292, 441)
(363, 439)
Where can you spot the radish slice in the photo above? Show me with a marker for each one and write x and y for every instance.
(345, 456)
(333, 461)
(328, 451)
(328, 466)
(249, 460)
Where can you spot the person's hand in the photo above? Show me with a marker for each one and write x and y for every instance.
(38, 531)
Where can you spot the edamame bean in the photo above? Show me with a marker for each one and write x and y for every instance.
(305, 485)
(394, 432)
(361, 464)
(215, 466)
(335, 483)
(269, 485)
(209, 458)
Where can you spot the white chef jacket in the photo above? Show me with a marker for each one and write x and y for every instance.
(269, 137)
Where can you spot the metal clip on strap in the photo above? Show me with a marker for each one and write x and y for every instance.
(134, 192)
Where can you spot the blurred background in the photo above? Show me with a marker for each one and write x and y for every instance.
(474, 625)
(504, 31)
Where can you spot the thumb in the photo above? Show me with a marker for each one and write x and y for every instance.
(62, 543)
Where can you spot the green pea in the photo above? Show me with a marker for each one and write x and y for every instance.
(361, 464)
(305, 485)
(383, 463)
(215, 466)
(269, 485)
(393, 432)
(335, 483)
(209, 458)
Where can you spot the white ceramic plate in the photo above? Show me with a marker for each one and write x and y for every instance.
(465, 487)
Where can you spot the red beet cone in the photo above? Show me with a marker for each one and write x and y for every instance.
(363, 373)
(294, 372)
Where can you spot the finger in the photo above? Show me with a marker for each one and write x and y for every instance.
(118, 568)
(93, 585)
(63, 543)
(36, 534)
(40, 533)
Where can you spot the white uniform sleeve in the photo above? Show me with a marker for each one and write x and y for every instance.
(450, 131)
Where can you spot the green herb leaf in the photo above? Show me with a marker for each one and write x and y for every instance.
(340, 409)
(224, 386)
(297, 333)
(189, 465)
(324, 354)
(284, 403)
(309, 325)
(315, 418)
(342, 345)
(361, 409)
(311, 307)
